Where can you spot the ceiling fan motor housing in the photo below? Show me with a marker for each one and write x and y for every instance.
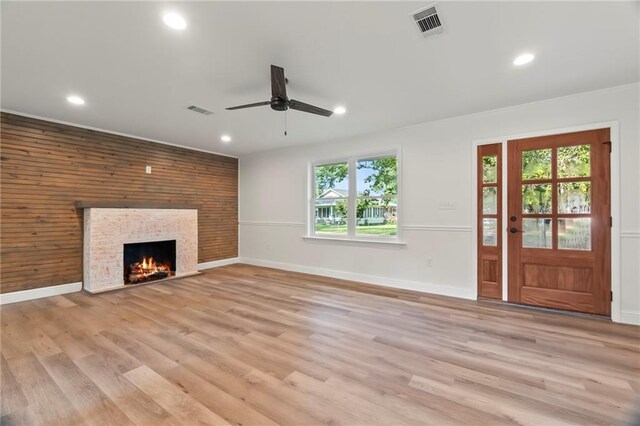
(279, 104)
(279, 99)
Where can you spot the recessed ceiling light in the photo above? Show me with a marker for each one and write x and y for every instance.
(174, 20)
(523, 59)
(225, 138)
(76, 100)
(339, 110)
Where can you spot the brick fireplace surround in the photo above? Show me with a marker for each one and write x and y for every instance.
(107, 229)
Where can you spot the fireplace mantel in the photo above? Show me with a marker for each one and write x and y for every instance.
(107, 229)
(125, 204)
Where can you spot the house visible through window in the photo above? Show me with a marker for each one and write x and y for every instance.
(356, 198)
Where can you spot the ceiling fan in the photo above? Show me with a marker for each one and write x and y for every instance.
(279, 100)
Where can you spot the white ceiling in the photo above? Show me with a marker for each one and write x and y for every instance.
(138, 76)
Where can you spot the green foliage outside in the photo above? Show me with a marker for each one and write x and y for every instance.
(572, 161)
(383, 181)
(489, 169)
(329, 175)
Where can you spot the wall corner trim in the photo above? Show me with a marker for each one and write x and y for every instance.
(217, 263)
(38, 293)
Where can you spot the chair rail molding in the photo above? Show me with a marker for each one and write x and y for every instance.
(627, 233)
(431, 228)
(437, 228)
(267, 223)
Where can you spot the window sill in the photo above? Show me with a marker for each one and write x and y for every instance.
(352, 242)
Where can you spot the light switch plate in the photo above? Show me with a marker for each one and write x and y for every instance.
(148, 170)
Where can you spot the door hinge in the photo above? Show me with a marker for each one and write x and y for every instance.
(611, 221)
(611, 293)
(608, 143)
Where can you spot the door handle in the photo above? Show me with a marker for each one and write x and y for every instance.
(513, 230)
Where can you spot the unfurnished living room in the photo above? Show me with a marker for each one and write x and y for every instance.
(305, 213)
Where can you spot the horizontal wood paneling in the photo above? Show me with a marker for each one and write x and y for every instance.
(46, 167)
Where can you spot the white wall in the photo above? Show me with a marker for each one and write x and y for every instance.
(436, 166)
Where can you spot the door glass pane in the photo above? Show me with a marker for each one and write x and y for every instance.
(536, 164)
(574, 161)
(331, 216)
(536, 233)
(574, 197)
(490, 200)
(536, 198)
(574, 234)
(489, 169)
(489, 232)
(377, 176)
(377, 217)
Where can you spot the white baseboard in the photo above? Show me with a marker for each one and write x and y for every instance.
(630, 317)
(37, 293)
(54, 290)
(216, 263)
(423, 287)
(626, 317)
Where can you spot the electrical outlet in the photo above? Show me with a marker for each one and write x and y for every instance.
(148, 170)
(429, 262)
(447, 205)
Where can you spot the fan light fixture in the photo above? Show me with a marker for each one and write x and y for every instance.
(339, 110)
(225, 138)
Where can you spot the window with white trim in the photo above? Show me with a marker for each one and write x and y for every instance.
(355, 198)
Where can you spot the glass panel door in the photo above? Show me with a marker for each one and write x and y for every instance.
(559, 221)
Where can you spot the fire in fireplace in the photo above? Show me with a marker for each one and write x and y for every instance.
(149, 261)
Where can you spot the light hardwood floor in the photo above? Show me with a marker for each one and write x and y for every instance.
(255, 346)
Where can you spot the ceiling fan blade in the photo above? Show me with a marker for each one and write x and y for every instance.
(301, 106)
(249, 105)
(278, 82)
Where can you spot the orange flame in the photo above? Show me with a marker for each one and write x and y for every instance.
(149, 266)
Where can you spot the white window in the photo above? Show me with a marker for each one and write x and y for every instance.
(355, 198)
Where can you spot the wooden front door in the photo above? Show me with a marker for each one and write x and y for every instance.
(559, 221)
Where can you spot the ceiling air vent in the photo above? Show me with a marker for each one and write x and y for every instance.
(200, 110)
(427, 20)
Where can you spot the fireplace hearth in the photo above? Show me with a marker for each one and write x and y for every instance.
(149, 261)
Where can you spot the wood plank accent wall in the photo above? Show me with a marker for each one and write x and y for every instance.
(47, 166)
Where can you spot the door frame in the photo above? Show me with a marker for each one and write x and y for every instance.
(615, 203)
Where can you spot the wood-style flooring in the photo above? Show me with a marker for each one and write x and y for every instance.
(253, 346)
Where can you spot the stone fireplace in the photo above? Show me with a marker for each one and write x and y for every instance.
(132, 244)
